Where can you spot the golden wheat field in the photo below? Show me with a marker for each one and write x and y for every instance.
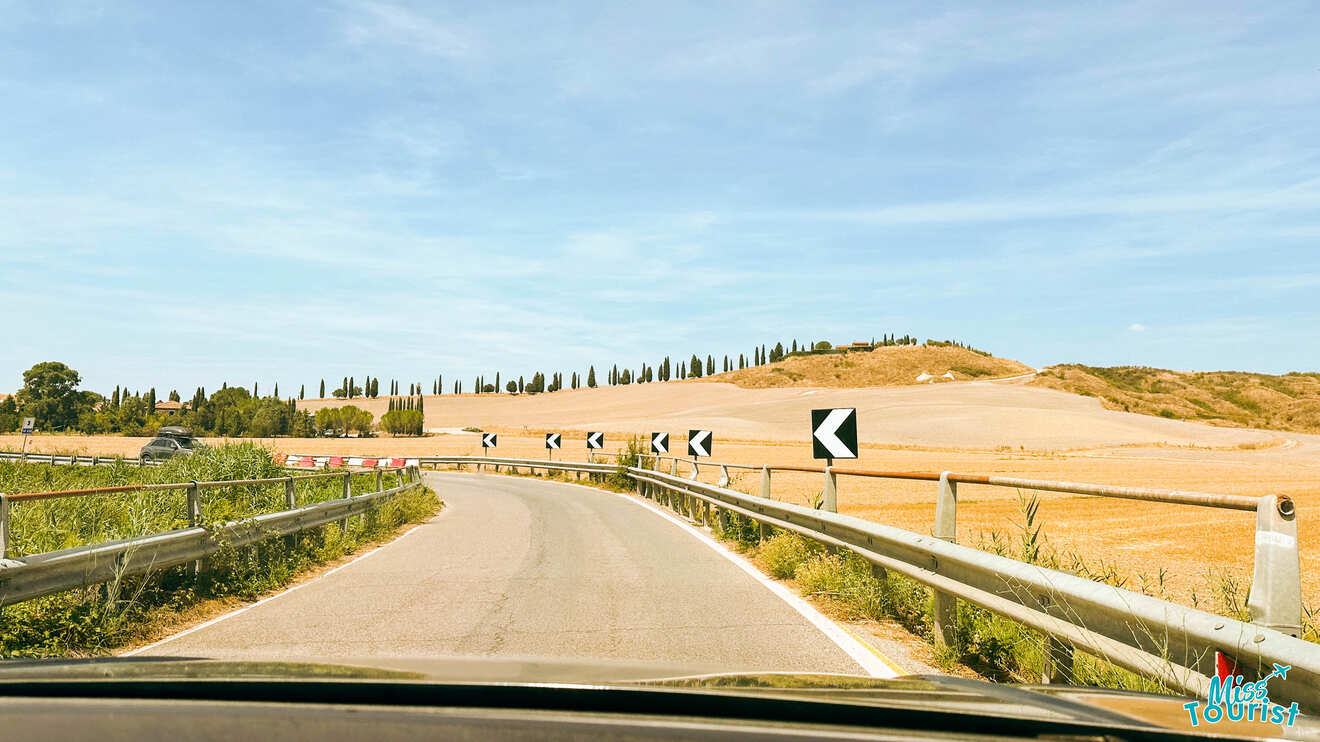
(972, 427)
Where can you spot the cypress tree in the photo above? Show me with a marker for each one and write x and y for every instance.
(497, 382)
(302, 391)
(591, 377)
(322, 394)
(520, 385)
(114, 399)
(276, 393)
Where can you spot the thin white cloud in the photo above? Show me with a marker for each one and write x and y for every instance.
(1137, 327)
(385, 23)
(1045, 206)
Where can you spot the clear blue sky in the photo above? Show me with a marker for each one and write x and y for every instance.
(281, 192)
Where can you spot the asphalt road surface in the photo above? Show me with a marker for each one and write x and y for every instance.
(520, 579)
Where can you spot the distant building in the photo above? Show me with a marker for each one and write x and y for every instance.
(170, 407)
(859, 345)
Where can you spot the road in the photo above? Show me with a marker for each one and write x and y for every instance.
(521, 579)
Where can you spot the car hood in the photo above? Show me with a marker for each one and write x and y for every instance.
(917, 692)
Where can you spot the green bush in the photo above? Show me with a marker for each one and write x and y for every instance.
(402, 422)
(783, 553)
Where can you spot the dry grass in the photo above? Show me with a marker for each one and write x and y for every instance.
(898, 365)
(1230, 398)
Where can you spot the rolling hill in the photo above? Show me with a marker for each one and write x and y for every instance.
(895, 365)
(1229, 398)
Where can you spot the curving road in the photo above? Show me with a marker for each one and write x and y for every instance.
(520, 579)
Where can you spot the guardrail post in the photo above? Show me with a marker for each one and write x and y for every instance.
(195, 515)
(945, 607)
(348, 494)
(4, 525)
(695, 470)
(1275, 597)
(673, 466)
(290, 502)
(380, 480)
(724, 476)
(765, 482)
(830, 498)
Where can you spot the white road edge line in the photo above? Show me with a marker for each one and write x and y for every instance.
(860, 653)
(250, 606)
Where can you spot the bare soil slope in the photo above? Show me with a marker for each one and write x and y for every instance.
(953, 415)
(1228, 398)
(897, 365)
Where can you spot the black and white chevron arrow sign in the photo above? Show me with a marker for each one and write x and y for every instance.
(552, 440)
(488, 440)
(834, 433)
(595, 440)
(659, 443)
(700, 442)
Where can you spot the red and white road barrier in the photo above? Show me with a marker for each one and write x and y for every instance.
(341, 461)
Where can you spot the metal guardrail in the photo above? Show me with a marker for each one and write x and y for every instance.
(1275, 599)
(31, 576)
(1156, 638)
(67, 459)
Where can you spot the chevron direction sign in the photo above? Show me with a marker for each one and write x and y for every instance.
(552, 441)
(488, 440)
(700, 442)
(659, 443)
(595, 440)
(834, 433)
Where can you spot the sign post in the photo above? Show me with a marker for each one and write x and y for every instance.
(659, 445)
(833, 435)
(488, 440)
(29, 424)
(700, 443)
(551, 443)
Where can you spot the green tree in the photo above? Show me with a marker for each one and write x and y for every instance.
(694, 366)
(9, 417)
(322, 394)
(402, 422)
(591, 377)
(50, 394)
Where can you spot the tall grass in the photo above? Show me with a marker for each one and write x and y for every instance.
(98, 618)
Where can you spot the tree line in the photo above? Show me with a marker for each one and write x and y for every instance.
(50, 394)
